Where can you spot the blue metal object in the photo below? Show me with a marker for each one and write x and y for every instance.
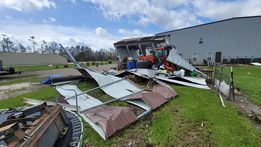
(49, 80)
(131, 65)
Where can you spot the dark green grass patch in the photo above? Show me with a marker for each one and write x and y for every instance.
(248, 80)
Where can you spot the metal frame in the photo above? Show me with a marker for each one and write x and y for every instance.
(113, 100)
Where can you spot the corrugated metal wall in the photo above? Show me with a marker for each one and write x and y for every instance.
(235, 38)
(31, 59)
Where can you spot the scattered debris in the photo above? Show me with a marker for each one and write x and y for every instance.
(197, 82)
(221, 99)
(35, 125)
(105, 118)
(256, 63)
(165, 62)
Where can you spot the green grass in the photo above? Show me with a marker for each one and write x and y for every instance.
(195, 117)
(58, 66)
(248, 80)
(39, 67)
(21, 80)
(45, 93)
(182, 118)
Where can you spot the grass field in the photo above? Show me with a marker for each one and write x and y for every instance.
(39, 67)
(194, 118)
(58, 66)
(248, 80)
(24, 79)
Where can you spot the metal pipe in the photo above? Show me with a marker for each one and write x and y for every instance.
(144, 114)
(141, 50)
(129, 51)
(153, 47)
(110, 101)
(76, 98)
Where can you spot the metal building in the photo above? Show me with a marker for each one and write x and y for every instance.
(234, 40)
(11, 59)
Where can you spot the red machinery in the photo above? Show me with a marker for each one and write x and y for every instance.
(158, 56)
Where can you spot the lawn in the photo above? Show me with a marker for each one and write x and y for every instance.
(39, 67)
(248, 80)
(24, 79)
(58, 66)
(194, 118)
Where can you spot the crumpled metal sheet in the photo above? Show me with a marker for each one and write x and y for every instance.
(163, 78)
(105, 120)
(152, 99)
(116, 90)
(146, 73)
(177, 59)
(156, 97)
(111, 118)
(85, 101)
(165, 91)
(197, 82)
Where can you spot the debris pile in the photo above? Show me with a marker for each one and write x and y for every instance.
(41, 125)
(165, 63)
(107, 119)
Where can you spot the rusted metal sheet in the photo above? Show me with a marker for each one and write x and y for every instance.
(165, 91)
(152, 99)
(111, 119)
(100, 118)
(106, 120)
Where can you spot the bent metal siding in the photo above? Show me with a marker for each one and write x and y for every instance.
(235, 38)
(31, 59)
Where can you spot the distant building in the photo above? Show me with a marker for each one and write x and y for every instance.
(31, 59)
(235, 40)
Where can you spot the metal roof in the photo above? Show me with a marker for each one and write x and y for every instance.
(233, 18)
(138, 40)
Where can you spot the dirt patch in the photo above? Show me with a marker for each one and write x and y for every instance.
(136, 136)
(248, 109)
(193, 134)
(17, 89)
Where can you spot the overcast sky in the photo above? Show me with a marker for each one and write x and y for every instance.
(99, 23)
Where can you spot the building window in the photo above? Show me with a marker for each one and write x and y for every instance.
(194, 57)
(200, 41)
(209, 56)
